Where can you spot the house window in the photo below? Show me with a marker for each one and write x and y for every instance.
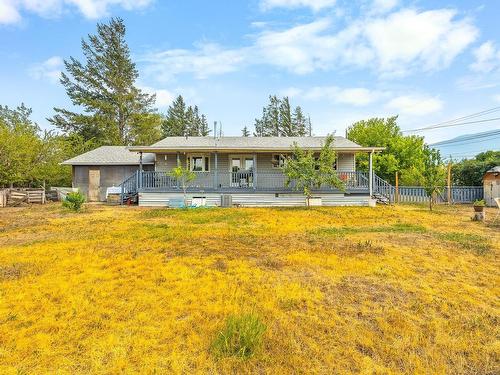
(278, 160)
(199, 163)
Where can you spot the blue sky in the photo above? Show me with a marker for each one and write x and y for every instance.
(342, 61)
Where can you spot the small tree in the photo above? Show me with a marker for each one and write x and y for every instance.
(185, 176)
(74, 201)
(433, 175)
(309, 171)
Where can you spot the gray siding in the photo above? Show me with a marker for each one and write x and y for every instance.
(345, 163)
(255, 199)
(110, 175)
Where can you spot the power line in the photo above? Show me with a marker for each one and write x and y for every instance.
(450, 125)
(472, 137)
(458, 121)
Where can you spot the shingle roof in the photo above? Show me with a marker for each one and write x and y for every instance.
(246, 143)
(110, 155)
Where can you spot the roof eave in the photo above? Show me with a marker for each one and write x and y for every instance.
(153, 149)
(68, 162)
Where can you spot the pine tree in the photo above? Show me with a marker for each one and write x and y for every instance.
(182, 120)
(245, 132)
(286, 127)
(190, 126)
(299, 122)
(176, 119)
(277, 120)
(273, 117)
(204, 130)
(104, 86)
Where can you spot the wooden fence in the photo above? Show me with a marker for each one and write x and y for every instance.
(17, 197)
(3, 197)
(459, 194)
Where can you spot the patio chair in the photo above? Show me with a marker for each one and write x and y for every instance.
(497, 201)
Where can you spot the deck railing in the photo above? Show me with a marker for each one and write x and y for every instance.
(241, 180)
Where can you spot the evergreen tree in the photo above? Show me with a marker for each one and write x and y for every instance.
(191, 126)
(104, 86)
(299, 122)
(182, 120)
(309, 126)
(245, 132)
(176, 119)
(204, 130)
(286, 126)
(277, 120)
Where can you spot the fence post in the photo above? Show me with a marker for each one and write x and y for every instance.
(397, 188)
(449, 183)
(370, 175)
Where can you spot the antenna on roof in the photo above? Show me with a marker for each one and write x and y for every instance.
(220, 129)
(215, 129)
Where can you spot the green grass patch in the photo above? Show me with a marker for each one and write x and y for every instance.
(158, 212)
(395, 228)
(474, 242)
(241, 337)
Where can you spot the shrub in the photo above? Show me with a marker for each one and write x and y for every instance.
(74, 201)
(241, 336)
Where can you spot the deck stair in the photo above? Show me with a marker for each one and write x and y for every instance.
(383, 191)
(130, 189)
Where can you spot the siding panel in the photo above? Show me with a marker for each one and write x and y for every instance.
(255, 200)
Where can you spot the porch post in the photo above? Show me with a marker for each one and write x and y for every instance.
(178, 158)
(140, 161)
(254, 171)
(216, 169)
(370, 174)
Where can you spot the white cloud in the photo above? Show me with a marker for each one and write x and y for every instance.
(396, 44)
(487, 58)
(407, 38)
(416, 105)
(49, 70)
(11, 10)
(315, 5)
(208, 59)
(8, 12)
(382, 6)
(356, 96)
(163, 97)
(496, 98)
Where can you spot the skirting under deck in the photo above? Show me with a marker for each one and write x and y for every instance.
(147, 199)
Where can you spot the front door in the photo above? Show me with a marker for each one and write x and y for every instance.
(235, 168)
(94, 184)
(241, 168)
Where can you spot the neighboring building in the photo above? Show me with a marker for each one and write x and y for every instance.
(491, 184)
(246, 168)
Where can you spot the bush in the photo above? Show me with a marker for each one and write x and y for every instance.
(74, 201)
(241, 336)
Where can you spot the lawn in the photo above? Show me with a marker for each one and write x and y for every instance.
(327, 290)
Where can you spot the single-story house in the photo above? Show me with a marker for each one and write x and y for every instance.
(491, 185)
(242, 170)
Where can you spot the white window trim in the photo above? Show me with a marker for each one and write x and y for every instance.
(189, 158)
(281, 163)
(242, 158)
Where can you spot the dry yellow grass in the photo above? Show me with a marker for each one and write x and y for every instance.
(341, 290)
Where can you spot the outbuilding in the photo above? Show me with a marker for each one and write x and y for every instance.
(94, 171)
(491, 184)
